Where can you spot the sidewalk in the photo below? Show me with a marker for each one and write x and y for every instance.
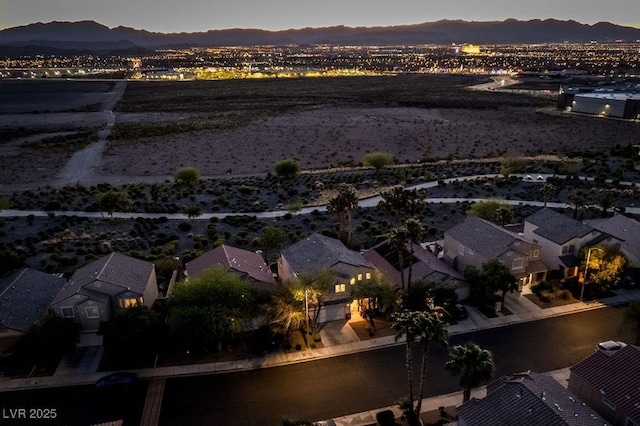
(339, 339)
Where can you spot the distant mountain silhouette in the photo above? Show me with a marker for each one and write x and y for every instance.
(89, 35)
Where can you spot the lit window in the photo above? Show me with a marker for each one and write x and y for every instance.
(353, 281)
(517, 263)
(67, 312)
(341, 288)
(127, 303)
(92, 312)
(359, 277)
(368, 275)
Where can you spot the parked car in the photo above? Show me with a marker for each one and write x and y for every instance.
(610, 345)
(458, 311)
(117, 379)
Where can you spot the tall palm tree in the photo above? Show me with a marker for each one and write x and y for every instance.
(398, 238)
(342, 207)
(578, 200)
(473, 364)
(402, 203)
(415, 230)
(422, 328)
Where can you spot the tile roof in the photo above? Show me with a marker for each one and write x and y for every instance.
(232, 258)
(484, 237)
(25, 296)
(116, 269)
(528, 399)
(317, 251)
(615, 375)
(427, 265)
(623, 228)
(557, 227)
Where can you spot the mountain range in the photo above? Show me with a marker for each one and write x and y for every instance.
(94, 37)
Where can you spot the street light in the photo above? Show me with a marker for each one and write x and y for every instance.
(586, 269)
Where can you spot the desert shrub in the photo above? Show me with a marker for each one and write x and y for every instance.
(187, 174)
(288, 168)
(377, 160)
(184, 226)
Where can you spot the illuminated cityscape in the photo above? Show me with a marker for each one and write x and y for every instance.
(235, 62)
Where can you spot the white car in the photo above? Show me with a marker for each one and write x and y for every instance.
(610, 345)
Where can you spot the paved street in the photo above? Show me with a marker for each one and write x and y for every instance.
(353, 383)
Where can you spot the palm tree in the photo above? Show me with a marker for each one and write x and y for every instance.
(285, 314)
(473, 364)
(402, 203)
(422, 328)
(606, 199)
(398, 238)
(415, 230)
(578, 201)
(342, 207)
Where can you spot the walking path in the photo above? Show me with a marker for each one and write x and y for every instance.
(365, 202)
(339, 339)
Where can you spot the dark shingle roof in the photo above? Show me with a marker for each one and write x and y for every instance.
(427, 265)
(317, 251)
(557, 227)
(623, 228)
(25, 297)
(616, 376)
(117, 269)
(246, 262)
(483, 237)
(528, 399)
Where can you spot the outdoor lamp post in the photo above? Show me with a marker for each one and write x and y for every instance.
(586, 269)
(306, 307)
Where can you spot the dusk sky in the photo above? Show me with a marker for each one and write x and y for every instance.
(202, 15)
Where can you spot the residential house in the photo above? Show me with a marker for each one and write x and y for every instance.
(527, 399)
(561, 238)
(623, 231)
(104, 285)
(424, 266)
(476, 241)
(316, 252)
(25, 296)
(610, 383)
(246, 264)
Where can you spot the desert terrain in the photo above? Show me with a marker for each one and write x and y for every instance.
(241, 128)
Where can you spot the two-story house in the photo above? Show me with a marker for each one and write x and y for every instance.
(97, 289)
(561, 238)
(316, 252)
(476, 241)
(622, 231)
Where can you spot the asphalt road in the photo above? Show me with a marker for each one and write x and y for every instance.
(349, 384)
(322, 389)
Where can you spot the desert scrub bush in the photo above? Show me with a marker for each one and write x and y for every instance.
(187, 174)
(378, 160)
(288, 168)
